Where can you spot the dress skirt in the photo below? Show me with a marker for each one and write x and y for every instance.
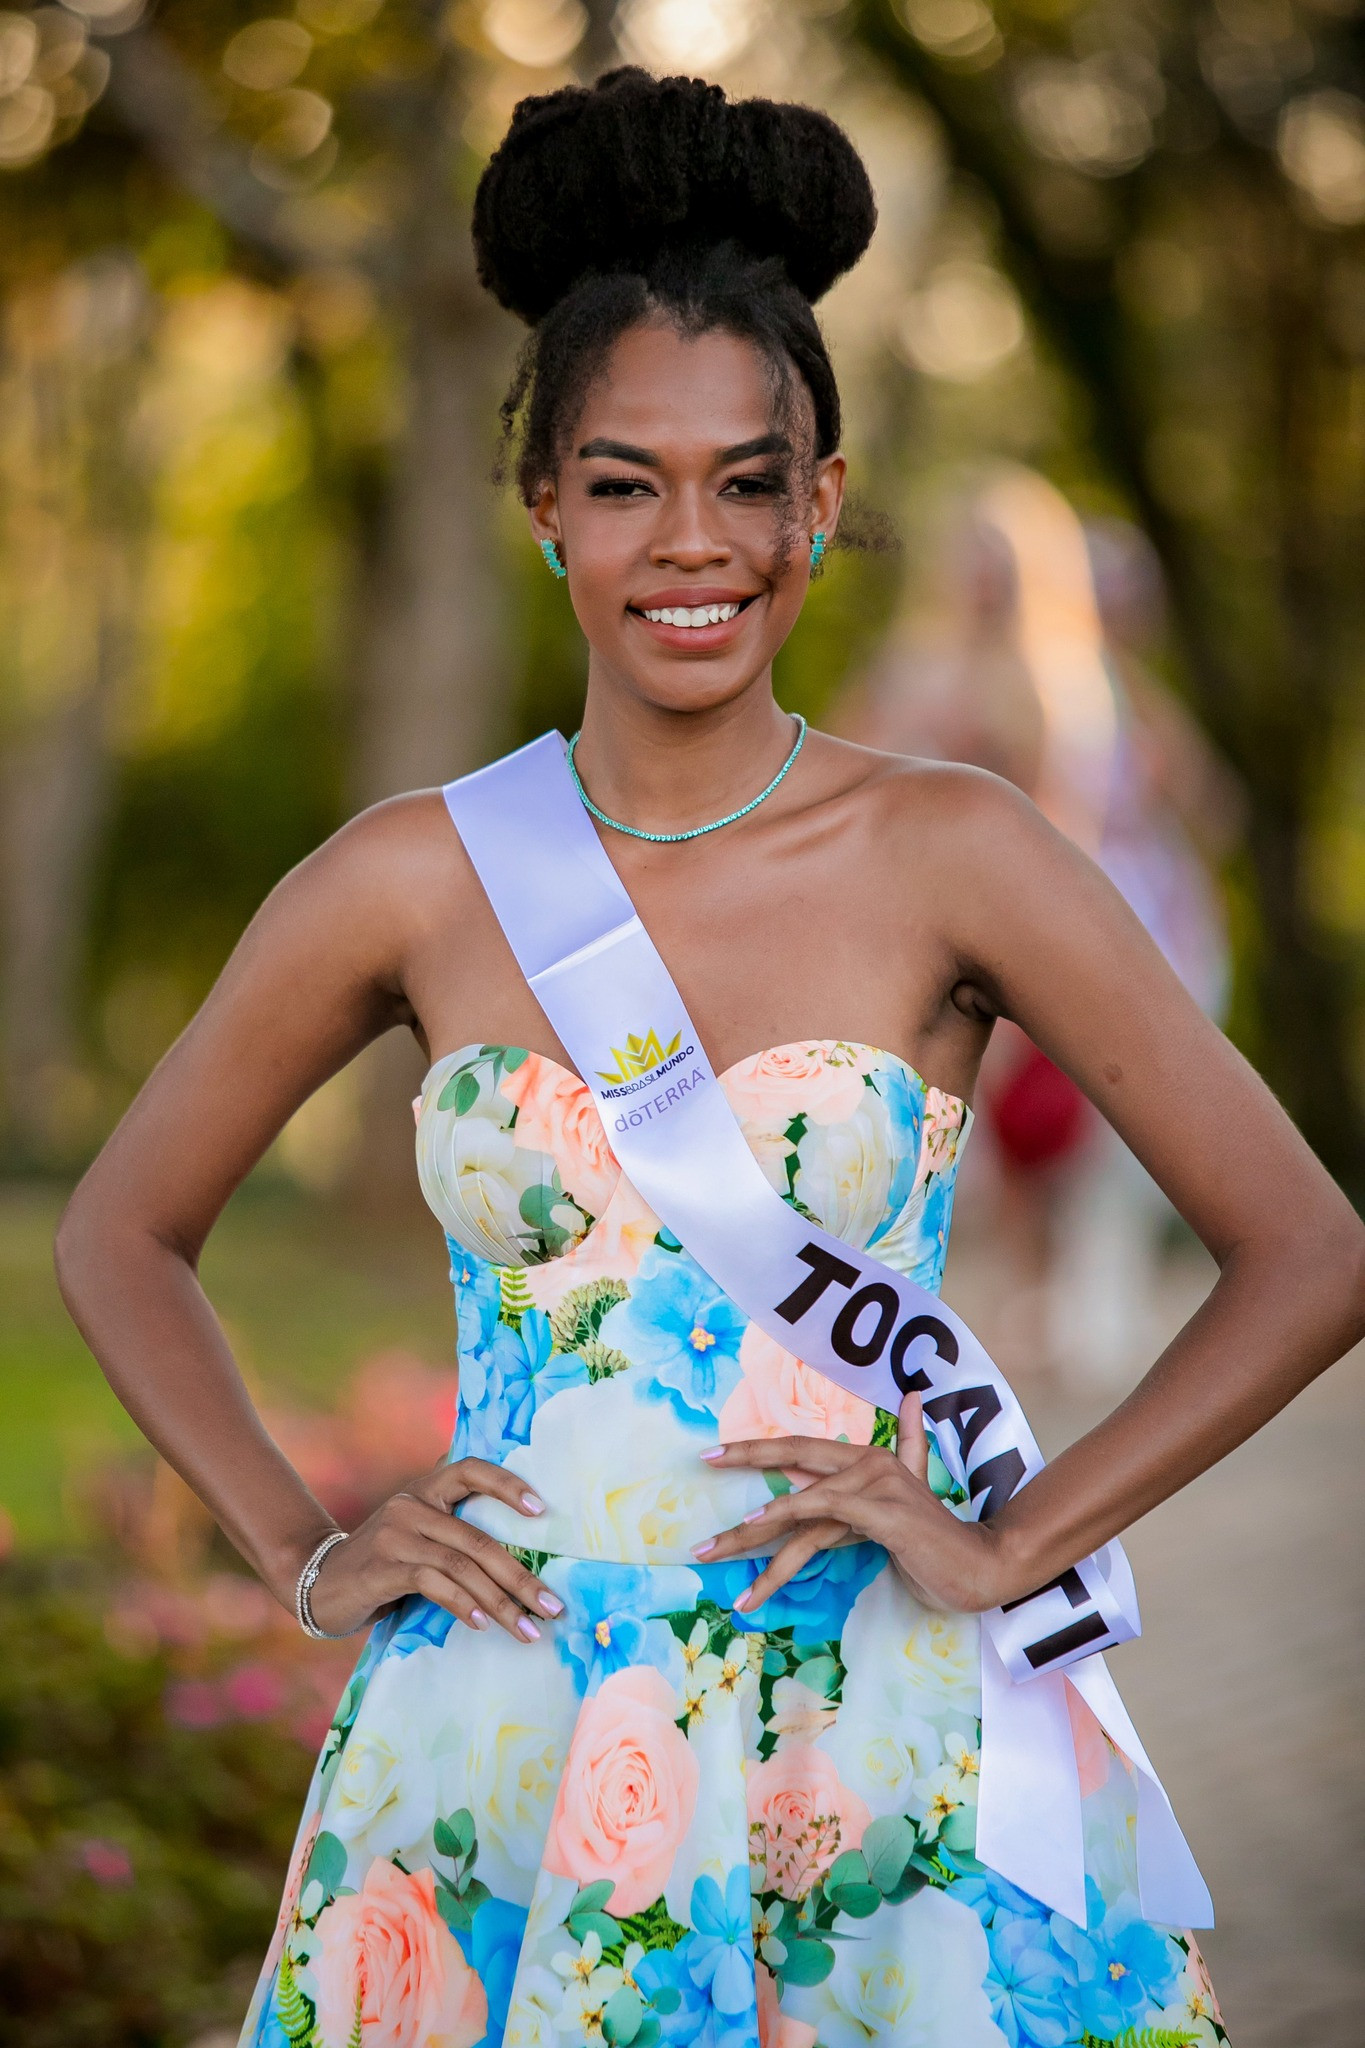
(666, 1822)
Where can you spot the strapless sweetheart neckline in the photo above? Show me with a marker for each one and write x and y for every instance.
(462, 1052)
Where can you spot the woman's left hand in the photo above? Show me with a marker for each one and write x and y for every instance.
(856, 1493)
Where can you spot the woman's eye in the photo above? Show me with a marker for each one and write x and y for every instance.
(750, 486)
(619, 487)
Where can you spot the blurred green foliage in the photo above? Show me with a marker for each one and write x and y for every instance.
(306, 1291)
(139, 1861)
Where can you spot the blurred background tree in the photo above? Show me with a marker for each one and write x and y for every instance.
(1179, 196)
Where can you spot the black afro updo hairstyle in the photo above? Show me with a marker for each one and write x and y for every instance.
(640, 198)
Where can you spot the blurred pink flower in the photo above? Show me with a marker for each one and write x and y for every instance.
(320, 1449)
(146, 1615)
(400, 1413)
(193, 1703)
(106, 1862)
(255, 1691)
(234, 1605)
(396, 1420)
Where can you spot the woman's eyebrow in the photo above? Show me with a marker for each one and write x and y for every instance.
(762, 444)
(625, 451)
(619, 451)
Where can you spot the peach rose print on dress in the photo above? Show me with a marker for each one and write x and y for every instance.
(779, 1396)
(820, 1079)
(612, 1250)
(801, 1816)
(777, 2029)
(1093, 1748)
(293, 1885)
(944, 1116)
(387, 1948)
(556, 1114)
(628, 1792)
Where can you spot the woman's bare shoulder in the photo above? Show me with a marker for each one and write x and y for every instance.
(917, 796)
(367, 899)
(394, 856)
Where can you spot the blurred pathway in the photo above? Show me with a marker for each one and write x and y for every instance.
(1248, 1687)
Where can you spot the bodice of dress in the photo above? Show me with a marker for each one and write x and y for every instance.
(597, 1359)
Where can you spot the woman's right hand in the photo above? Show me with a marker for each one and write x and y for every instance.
(415, 1543)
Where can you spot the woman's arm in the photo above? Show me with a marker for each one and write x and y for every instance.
(1055, 948)
(319, 973)
(1043, 938)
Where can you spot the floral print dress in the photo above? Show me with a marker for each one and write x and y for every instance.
(668, 1822)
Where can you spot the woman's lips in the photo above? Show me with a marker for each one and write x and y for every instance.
(671, 624)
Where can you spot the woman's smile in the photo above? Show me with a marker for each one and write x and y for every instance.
(694, 619)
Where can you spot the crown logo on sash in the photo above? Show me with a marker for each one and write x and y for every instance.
(640, 1056)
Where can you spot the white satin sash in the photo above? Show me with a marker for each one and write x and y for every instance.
(613, 1004)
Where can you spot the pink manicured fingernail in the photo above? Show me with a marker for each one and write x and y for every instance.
(526, 1627)
(533, 1503)
(757, 1515)
(700, 1549)
(477, 1618)
(717, 1451)
(547, 1603)
(743, 1603)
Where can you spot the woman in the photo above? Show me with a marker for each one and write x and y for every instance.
(668, 1709)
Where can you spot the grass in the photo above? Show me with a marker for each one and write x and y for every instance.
(304, 1293)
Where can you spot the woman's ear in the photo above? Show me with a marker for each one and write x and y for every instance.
(828, 495)
(544, 515)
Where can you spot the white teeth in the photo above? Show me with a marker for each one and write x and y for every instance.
(696, 615)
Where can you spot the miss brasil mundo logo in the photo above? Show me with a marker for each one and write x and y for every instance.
(639, 1057)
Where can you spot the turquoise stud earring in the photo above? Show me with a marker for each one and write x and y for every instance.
(550, 550)
(817, 550)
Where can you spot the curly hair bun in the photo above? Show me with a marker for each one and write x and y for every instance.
(609, 177)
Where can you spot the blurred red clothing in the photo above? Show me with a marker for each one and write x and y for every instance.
(1036, 1114)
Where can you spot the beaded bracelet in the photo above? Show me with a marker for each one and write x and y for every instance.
(303, 1593)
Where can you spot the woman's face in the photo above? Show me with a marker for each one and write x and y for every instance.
(679, 495)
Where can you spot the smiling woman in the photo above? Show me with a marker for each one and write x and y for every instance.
(668, 1728)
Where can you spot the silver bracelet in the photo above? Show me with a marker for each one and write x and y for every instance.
(303, 1593)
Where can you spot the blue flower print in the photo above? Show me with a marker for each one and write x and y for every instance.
(415, 1625)
(1125, 1969)
(477, 1435)
(721, 1953)
(990, 1896)
(529, 1372)
(682, 1332)
(1030, 1984)
(666, 1970)
(478, 1295)
(816, 1602)
(270, 2027)
(609, 1616)
(481, 1413)
(492, 1949)
(932, 1234)
(903, 1094)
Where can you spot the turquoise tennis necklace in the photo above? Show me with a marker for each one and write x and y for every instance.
(697, 831)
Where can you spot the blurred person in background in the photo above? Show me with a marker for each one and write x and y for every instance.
(1033, 664)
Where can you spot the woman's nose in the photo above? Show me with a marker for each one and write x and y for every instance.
(685, 537)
